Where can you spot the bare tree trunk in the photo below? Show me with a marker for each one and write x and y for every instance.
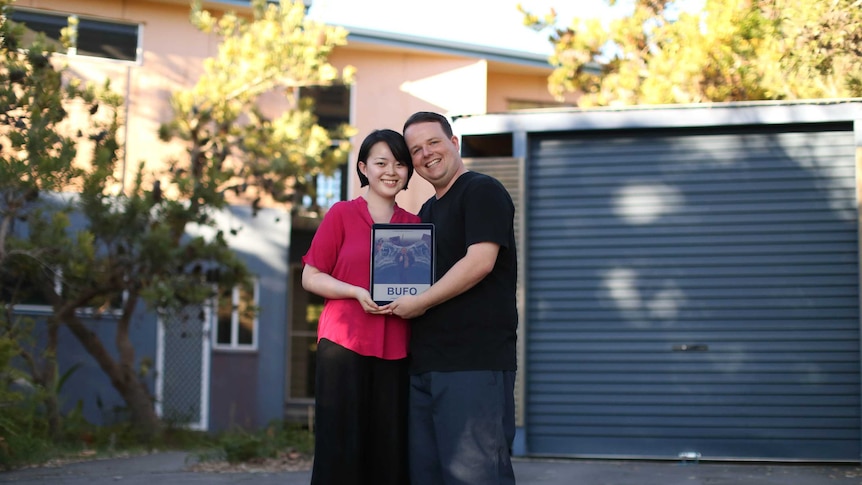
(122, 373)
(49, 380)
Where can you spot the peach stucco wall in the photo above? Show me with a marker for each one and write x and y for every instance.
(390, 84)
(507, 87)
(172, 54)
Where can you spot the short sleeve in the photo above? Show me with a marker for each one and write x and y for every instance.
(489, 212)
(327, 241)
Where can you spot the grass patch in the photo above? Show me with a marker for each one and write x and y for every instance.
(84, 442)
(239, 446)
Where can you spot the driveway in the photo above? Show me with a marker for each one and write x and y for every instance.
(170, 468)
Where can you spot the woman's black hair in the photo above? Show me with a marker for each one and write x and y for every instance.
(397, 146)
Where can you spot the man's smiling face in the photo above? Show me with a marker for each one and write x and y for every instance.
(435, 156)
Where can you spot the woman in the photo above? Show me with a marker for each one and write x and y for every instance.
(361, 380)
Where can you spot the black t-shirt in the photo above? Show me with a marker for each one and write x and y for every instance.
(476, 330)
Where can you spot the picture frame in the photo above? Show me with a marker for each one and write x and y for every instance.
(402, 260)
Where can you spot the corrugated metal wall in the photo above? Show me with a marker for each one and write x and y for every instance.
(693, 291)
(509, 171)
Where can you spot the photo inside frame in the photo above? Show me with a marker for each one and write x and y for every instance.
(402, 260)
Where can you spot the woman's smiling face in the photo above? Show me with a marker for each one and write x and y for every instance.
(386, 175)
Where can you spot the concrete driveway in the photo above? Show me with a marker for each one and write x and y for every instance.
(170, 468)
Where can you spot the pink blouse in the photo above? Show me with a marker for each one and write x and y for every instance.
(342, 248)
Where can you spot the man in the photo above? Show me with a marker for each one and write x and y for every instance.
(464, 327)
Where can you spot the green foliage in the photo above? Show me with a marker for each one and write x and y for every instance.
(80, 439)
(26, 435)
(733, 50)
(14, 417)
(233, 145)
(242, 447)
(124, 247)
(130, 244)
(37, 157)
(237, 446)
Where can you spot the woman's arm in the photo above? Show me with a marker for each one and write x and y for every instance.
(325, 285)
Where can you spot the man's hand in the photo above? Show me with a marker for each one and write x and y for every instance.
(468, 271)
(407, 307)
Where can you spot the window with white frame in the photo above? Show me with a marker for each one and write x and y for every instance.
(23, 290)
(91, 37)
(236, 318)
(22, 287)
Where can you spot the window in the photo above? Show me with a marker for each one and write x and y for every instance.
(236, 317)
(95, 38)
(21, 286)
(24, 289)
(332, 108)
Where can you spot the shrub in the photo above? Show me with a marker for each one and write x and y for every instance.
(238, 445)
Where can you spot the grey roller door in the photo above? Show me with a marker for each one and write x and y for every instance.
(694, 291)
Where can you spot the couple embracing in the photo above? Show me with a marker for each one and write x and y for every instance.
(419, 391)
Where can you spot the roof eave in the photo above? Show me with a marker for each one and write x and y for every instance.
(408, 42)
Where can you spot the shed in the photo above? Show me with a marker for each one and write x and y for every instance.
(689, 278)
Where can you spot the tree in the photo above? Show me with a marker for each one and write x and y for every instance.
(37, 158)
(232, 145)
(133, 248)
(733, 50)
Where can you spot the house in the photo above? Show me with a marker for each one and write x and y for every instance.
(216, 368)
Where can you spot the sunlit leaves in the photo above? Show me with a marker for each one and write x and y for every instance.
(732, 50)
(233, 146)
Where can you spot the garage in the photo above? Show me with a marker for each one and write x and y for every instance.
(690, 279)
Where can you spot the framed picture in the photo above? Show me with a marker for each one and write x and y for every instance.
(402, 260)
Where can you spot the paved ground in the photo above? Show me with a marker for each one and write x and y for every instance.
(170, 469)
